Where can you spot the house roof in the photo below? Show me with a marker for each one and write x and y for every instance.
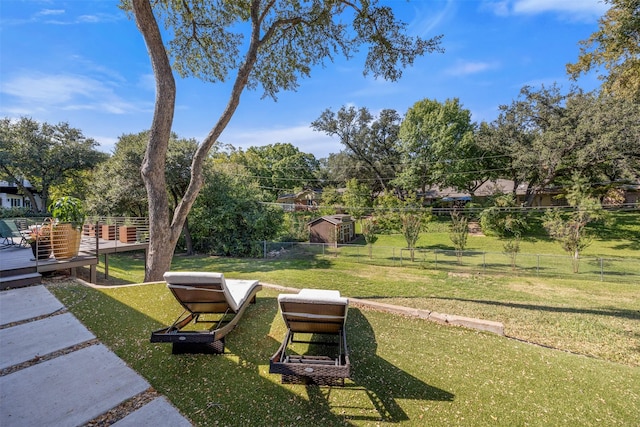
(297, 195)
(333, 219)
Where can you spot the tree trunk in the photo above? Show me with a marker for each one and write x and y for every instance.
(163, 233)
(188, 242)
(162, 239)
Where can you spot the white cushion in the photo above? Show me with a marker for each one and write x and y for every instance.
(235, 291)
(315, 296)
(193, 278)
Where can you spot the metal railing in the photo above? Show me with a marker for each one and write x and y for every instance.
(95, 234)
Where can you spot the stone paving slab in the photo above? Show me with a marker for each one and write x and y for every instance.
(69, 390)
(26, 303)
(24, 342)
(158, 412)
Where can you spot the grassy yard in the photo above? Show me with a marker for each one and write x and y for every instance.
(405, 371)
(571, 355)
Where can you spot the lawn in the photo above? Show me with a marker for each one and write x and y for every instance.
(405, 371)
(571, 355)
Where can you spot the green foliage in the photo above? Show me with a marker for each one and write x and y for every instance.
(279, 168)
(459, 233)
(68, 209)
(357, 199)
(118, 188)
(295, 228)
(616, 48)
(570, 229)
(331, 201)
(369, 231)
(438, 147)
(545, 136)
(46, 155)
(228, 217)
(371, 152)
(505, 218)
(411, 228)
(512, 248)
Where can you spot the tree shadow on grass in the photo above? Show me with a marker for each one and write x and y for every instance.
(608, 312)
(235, 388)
(372, 393)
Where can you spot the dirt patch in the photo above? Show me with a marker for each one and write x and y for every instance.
(475, 229)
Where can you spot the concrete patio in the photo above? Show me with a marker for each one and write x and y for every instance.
(53, 372)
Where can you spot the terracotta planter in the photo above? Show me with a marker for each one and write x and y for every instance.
(127, 234)
(108, 232)
(65, 241)
(93, 230)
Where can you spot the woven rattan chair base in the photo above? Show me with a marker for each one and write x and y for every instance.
(214, 347)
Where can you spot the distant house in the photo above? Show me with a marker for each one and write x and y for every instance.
(11, 198)
(305, 200)
(450, 197)
(334, 229)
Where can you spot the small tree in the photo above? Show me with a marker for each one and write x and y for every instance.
(459, 233)
(570, 229)
(511, 248)
(369, 231)
(505, 219)
(411, 227)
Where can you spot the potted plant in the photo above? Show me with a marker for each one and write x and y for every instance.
(40, 240)
(66, 233)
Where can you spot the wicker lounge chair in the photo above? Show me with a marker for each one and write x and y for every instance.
(318, 313)
(203, 294)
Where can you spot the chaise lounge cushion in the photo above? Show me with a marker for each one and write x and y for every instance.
(314, 311)
(235, 291)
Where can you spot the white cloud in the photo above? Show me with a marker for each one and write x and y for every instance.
(426, 20)
(38, 91)
(48, 12)
(464, 68)
(568, 9)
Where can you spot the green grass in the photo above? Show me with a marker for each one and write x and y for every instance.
(586, 317)
(405, 371)
(571, 355)
(621, 238)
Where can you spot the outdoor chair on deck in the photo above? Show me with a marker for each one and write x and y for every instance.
(9, 232)
(315, 313)
(203, 294)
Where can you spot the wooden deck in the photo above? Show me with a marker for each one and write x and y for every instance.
(19, 268)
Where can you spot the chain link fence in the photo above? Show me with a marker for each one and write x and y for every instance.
(625, 270)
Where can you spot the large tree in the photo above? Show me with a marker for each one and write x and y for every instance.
(266, 43)
(545, 136)
(279, 168)
(616, 47)
(371, 144)
(45, 155)
(438, 147)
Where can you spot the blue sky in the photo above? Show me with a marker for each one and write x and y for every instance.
(85, 63)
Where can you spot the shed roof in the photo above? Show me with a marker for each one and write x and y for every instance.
(333, 219)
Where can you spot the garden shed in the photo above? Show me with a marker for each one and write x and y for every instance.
(332, 229)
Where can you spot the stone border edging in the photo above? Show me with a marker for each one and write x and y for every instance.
(442, 318)
(445, 319)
